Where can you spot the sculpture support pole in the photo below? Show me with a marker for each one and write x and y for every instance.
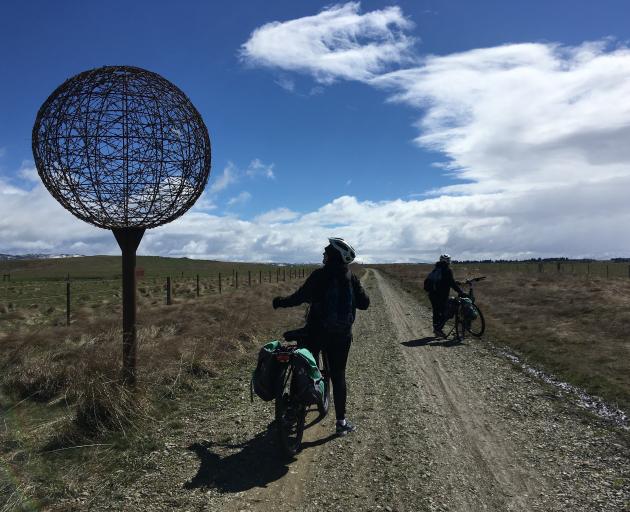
(128, 239)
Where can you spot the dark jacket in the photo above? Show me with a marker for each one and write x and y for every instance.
(445, 284)
(313, 292)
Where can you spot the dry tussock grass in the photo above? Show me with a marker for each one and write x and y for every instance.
(573, 326)
(178, 346)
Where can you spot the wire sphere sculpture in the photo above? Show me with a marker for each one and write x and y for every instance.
(121, 147)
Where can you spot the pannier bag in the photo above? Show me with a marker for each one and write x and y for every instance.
(266, 372)
(308, 383)
(451, 307)
(470, 311)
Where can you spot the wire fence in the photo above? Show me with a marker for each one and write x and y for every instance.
(46, 297)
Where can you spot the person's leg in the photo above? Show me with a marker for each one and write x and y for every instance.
(435, 311)
(337, 350)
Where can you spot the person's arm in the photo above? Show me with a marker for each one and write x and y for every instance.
(303, 294)
(453, 284)
(361, 298)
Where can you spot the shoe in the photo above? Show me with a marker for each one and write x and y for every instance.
(345, 428)
(439, 333)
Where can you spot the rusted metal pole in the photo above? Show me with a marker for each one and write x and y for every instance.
(197, 285)
(236, 279)
(128, 239)
(249, 277)
(168, 291)
(219, 282)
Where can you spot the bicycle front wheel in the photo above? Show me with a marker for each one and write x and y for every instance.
(290, 416)
(477, 326)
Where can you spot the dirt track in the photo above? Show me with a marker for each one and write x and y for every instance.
(441, 427)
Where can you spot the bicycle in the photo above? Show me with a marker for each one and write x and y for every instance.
(290, 412)
(468, 316)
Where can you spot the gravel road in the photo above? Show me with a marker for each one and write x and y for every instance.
(440, 427)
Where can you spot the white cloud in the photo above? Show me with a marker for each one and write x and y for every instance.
(225, 179)
(258, 168)
(28, 171)
(277, 215)
(339, 42)
(286, 83)
(241, 198)
(534, 135)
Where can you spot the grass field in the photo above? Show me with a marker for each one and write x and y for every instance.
(37, 291)
(572, 325)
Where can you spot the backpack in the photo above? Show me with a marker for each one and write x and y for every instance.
(308, 383)
(338, 307)
(266, 372)
(432, 282)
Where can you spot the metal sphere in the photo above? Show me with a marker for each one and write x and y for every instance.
(121, 147)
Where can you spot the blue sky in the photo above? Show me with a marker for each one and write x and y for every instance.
(398, 154)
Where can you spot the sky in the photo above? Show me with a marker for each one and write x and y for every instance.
(487, 129)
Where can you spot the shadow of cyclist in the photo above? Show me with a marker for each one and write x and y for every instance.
(256, 464)
(431, 341)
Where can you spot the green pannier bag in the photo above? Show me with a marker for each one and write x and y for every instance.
(266, 372)
(308, 383)
(470, 311)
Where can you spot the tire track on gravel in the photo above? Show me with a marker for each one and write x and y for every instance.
(471, 440)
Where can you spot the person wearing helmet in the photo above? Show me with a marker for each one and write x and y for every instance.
(438, 284)
(334, 293)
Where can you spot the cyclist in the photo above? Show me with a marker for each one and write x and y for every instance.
(332, 291)
(439, 283)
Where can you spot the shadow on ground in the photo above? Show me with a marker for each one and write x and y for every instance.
(257, 463)
(431, 341)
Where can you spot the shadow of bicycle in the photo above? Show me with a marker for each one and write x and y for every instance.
(256, 464)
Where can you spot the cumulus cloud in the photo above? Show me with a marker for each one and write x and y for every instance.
(534, 136)
(338, 42)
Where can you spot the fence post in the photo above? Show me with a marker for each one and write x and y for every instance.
(197, 285)
(219, 282)
(168, 290)
(236, 279)
(68, 303)
(260, 277)
(249, 277)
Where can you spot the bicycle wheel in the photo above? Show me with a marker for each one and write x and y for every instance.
(477, 326)
(325, 369)
(290, 416)
(460, 324)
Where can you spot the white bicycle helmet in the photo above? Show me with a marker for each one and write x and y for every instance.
(344, 248)
(446, 258)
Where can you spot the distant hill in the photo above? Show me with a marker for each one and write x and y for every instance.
(39, 256)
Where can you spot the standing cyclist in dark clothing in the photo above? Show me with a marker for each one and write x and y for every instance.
(334, 293)
(439, 283)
